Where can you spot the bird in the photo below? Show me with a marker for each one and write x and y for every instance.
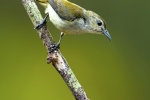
(71, 18)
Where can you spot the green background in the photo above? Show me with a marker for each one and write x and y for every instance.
(117, 70)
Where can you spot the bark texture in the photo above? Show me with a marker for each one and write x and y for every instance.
(56, 58)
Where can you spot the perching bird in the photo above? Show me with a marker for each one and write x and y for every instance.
(70, 18)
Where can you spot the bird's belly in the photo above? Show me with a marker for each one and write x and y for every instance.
(68, 27)
(75, 27)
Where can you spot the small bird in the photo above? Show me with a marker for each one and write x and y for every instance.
(70, 18)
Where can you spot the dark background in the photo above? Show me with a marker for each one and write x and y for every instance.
(117, 70)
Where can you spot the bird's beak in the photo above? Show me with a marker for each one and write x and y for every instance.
(106, 33)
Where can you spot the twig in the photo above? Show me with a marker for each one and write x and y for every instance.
(56, 58)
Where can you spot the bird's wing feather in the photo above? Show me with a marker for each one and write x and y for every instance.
(67, 10)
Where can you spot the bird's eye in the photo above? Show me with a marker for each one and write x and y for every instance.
(99, 23)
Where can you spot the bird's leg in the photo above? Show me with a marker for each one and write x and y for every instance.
(57, 46)
(42, 23)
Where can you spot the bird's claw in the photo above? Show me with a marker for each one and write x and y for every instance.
(39, 26)
(57, 46)
(42, 23)
(54, 47)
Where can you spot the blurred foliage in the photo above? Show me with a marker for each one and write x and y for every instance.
(117, 70)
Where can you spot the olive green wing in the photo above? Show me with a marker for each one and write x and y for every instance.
(67, 10)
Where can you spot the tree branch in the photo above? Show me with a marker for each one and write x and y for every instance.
(56, 58)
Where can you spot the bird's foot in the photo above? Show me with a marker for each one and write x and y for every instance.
(54, 47)
(42, 23)
(57, 46)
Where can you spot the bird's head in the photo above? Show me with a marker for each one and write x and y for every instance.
(44, 3)
(97, 24)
